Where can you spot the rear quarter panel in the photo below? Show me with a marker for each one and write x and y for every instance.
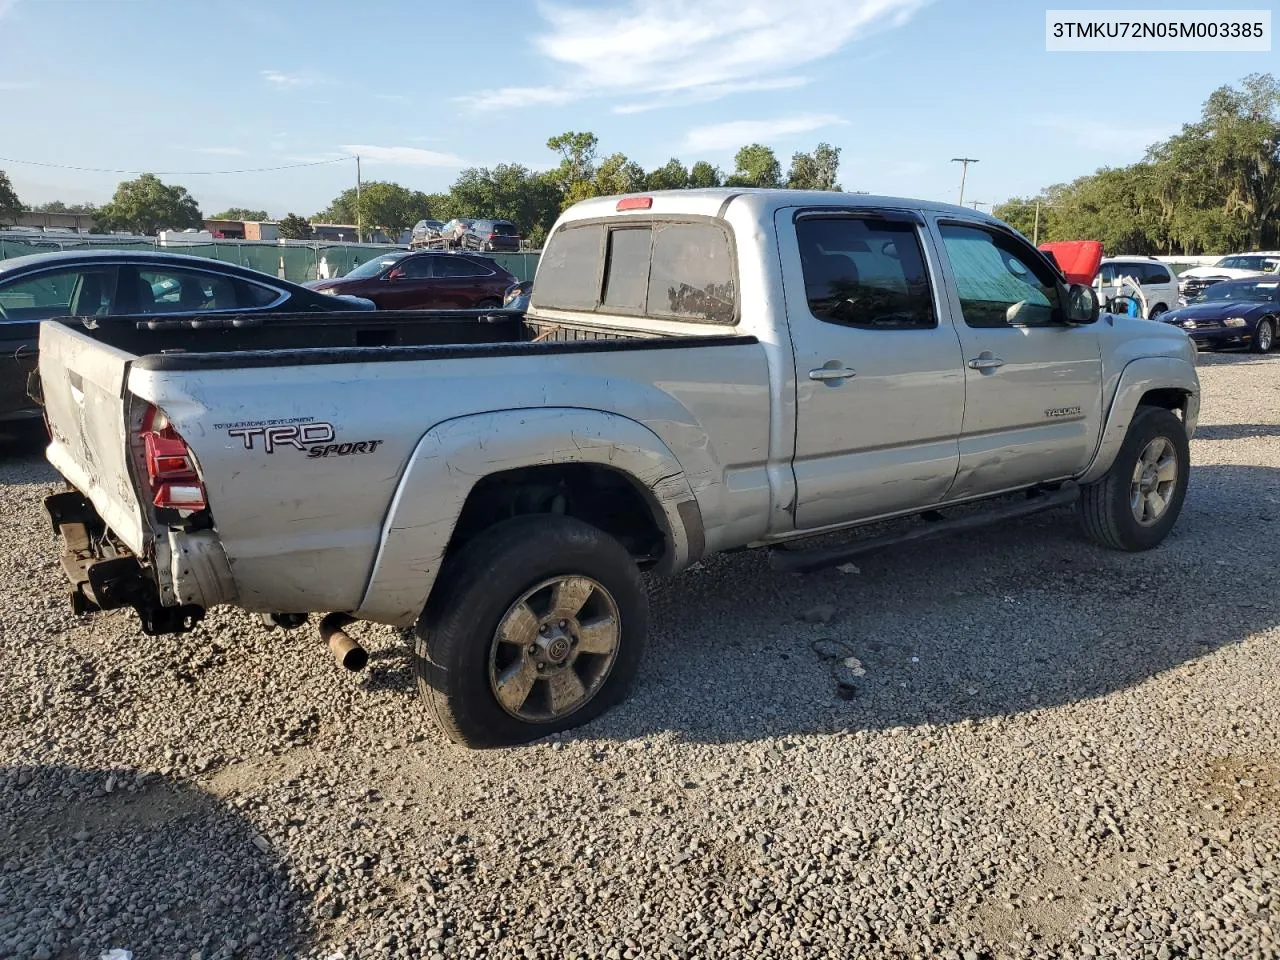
(301, 524)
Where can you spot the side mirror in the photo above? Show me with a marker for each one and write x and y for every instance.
(1081, 304)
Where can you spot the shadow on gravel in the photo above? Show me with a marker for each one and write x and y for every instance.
(999, 622)
(1237, 431)
(1230, 357)
(97, 859)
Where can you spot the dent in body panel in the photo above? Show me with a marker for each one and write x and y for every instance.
(449, 461)
(1138, 378)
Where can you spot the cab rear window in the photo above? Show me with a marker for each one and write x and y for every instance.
(662, 269)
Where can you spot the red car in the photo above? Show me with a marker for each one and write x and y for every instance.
(407, 280)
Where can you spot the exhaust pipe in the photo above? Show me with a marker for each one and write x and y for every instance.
(349, 654)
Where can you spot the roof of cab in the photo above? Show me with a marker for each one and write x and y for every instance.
(762, 202)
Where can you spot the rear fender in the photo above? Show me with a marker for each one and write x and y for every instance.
(455, 455)
(1139, 378)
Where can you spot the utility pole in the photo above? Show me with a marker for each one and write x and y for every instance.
(359, 212)
(1035, 231)
(964, 172)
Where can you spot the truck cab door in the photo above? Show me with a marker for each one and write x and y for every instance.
(1033, 397)
(879, 378)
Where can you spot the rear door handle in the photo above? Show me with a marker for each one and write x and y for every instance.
(831, 373)
(986, 363)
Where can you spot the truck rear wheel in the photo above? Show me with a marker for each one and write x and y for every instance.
(536, 626)
(1136, 503)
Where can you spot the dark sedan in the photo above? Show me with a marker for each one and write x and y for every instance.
(404, 280)
(104, 283)
(1240, 313)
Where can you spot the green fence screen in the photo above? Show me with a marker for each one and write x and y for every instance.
(293, 261)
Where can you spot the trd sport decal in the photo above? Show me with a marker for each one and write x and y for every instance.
(316, 439)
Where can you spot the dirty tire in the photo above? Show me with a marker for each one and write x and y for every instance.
(1104, 508)
(476, 590)
(491, 303)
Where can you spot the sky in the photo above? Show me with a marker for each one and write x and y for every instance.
(423, 88)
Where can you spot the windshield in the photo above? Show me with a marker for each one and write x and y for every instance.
(1265, 264)
(1252, 291)
(375, 266)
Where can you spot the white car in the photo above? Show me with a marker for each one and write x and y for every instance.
(1158, 283)
(1237, 266)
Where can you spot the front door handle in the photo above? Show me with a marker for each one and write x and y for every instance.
(986, 363)
(831, 373)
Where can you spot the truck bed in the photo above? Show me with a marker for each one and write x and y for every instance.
(232, 333)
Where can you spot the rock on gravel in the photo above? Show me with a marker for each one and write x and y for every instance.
(1047, 750)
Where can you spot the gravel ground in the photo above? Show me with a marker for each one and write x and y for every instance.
(1041, 749)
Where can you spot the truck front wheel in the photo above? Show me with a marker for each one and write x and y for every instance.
(1136, 503)
(537, 625)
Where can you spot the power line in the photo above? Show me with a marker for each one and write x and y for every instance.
(178, 173)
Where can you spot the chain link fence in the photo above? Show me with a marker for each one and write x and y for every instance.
(294, 261)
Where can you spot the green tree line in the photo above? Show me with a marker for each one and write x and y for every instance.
(509, 191)
(1213, 187)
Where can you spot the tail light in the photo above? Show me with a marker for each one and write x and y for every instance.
(171, 467)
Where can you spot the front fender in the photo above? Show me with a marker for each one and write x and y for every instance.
(1139, 378)
(452, 457)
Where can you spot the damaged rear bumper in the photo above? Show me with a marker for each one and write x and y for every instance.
(104, 575)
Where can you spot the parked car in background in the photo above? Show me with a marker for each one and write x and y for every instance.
(1156, 280)
(1233, 313)
(1191, 283)
(425, 230)
(452, 231)
(105, 283)
(492, 235)
(427, 280)
(517, 295)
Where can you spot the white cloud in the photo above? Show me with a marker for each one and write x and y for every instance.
(723, 136)
(711, 92)
(404, 156)
(288, 81)
(1102, 136)
(714, 48)
(517, 98)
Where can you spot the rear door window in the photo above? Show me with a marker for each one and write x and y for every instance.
(455, 266)
(59, 293)
(865, 272)
(194, 291)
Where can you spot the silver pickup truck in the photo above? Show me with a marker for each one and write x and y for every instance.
(697, 371)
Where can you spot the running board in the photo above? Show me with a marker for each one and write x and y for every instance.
(806, 561)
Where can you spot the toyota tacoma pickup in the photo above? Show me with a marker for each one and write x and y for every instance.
(697, 371)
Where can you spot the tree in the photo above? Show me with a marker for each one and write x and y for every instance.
(617, 174)
(241, 213)
(573, 178)
(57, 206)
(10, 206)
(509, 191)
(671, 176)
(703, 174)
(147, 206)
(755, 165)
(1212, 187)
(815, 171)
(294, 227)
(387, 205)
